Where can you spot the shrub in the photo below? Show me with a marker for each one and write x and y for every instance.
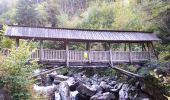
(15, 73)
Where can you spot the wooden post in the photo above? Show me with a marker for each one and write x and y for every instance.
(125, 47)
(110, 53)
(130, 49)
(154, 51)
(17, 42)
(88, 48)
(67, 52)
(41, 50)
(143, 47)
(105, 46)
(149, 50)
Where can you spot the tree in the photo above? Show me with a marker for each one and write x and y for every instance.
(15, 72)
(99, 16)
(52, 11)
(26, 13)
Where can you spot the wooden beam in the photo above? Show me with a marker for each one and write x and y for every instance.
(88, 48)
(105, 46)
(125, 72)
(67, 52)
(154, 51)
(17, 42)
(41, 50)
(125, 47)
(143, 47)
(48, 71)
(130, 49)
(149, 50)
(110, 52)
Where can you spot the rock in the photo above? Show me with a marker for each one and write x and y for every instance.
(57, 82)
(4, 94)
(123, 93)
(61, 77)
(73, 95)
(118, 86)
(97, 88)
(74, 86)
(112, 83)
(85, 90)
(105, 86)
(82, 97)
(48, 91)
(64, 91)
(70, 81)
(104, 96)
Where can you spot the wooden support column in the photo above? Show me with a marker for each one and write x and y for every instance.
(67, 52)
(105, 46)
(17, 42)
(110, 53)
(156, 55)
(130, 55)
(41, 50)
(149, 50)
(88, 48)
(143, 47)
(125, 47)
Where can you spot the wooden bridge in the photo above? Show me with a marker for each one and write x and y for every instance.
(88, 56)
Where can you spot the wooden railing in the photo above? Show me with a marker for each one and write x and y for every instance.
(92, 56)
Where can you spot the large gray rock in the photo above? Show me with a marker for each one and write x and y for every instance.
(105, 86)
(64, 91)
(104, 96)
(85, 90)
(97, 88)
(61, 77)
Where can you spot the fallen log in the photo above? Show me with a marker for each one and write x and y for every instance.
(48, 71)
(125, 72)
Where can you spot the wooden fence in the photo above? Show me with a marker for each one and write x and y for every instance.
(90, 56)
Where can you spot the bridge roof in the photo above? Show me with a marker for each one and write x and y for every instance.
(46, 33)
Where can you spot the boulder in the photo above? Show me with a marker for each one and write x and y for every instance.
(123, 93)
(97, 88)
(74, 86)
(61, 77)
(104, 96)
(85, 90)
(105, 86)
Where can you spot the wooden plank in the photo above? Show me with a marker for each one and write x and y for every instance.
(110, 53)
(130, 57)
(41, 50)
(67, 52)
(88, 48)
(149, 51)
(17, 42)
(126, 72)
(46, 72)
(154, 51)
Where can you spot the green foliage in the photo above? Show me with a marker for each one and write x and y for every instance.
(15, 72)
(41, 16)
(96, 18)
(167, 57)
(154, 87)
(5, 42)
(26, 14)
